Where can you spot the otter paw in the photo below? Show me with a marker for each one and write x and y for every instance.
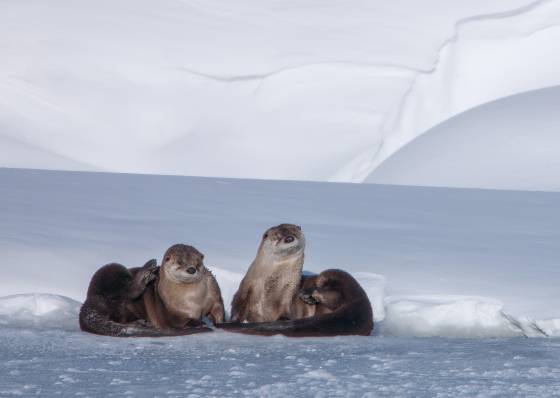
(150, 265)
(149, 271)
(308, 299)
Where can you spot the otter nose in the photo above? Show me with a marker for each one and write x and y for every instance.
(191, 270)
(289, 239)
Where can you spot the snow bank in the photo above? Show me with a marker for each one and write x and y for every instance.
(447, 316)
(512, 143)
(429, 316)
(549, 326)
(39, 311)
(170, 88)
(445, 262)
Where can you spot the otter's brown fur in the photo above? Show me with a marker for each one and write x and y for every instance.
(150, 301)
(115, 306)
(342, 308)
(185, 291)
(271, 283)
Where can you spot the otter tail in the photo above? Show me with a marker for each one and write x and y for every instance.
(332, 324)
(95, 322)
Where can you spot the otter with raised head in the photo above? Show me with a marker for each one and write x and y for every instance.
(150, 301)
(114, 304)
(268, 289)
(185, 291)
(341, 307)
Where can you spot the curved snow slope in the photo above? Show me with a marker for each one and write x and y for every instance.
(434, 262)
(512, 143)
(277, 89)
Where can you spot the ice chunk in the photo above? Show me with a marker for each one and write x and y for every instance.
(447, 316)
(39, 311)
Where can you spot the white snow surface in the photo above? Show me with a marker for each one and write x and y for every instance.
(278, 89)
(434, 262)
(39, 311)
(512, 143)
(54, 363)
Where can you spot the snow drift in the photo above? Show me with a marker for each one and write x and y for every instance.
(434, 262)
(39, 311)
(230, 89)
(512, 143)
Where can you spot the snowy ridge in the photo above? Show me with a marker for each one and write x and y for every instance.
(400, 316)
(39, 311)
(428, 316)
(435, 94)
(457, 316)
(173, 88)
(498, 134)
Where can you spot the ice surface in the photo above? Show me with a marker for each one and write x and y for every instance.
(434, 262)
(236, 88)
(78, 364)
(512, 143)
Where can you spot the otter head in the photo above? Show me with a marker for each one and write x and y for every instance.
(284, 240)
(183, 264)
(331, 288)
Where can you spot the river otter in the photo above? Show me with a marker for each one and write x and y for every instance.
(114, 306)
(341, 308)
(271, 283)
(150, 301)
(185, 291)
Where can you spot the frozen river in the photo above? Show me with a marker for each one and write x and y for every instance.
(60, 363)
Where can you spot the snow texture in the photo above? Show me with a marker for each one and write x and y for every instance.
(39, 311)
(434, 262)
(512, 143)
(236, 88)
(78, 364)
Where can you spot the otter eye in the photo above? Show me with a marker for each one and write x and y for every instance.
(265, 236)
(298, 227)
(289, 239)
(167, 258)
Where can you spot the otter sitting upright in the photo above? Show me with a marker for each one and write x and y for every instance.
(272, 281)
(185, 291)
(341, 308)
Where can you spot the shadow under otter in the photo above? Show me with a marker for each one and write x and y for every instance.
(341, 307)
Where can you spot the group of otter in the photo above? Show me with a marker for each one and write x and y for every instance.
(273, 298)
